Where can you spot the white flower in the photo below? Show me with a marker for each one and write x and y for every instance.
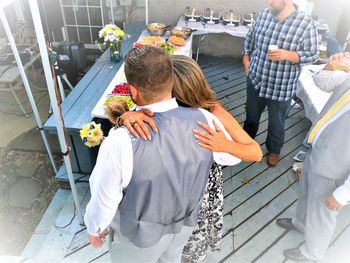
(106, 38)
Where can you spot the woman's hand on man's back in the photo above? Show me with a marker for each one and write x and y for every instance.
(135, 122)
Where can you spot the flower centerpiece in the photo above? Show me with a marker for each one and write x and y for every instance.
(111, 37)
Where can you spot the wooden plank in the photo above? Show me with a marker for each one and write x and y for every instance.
(232, 171)
(262, 198)
(254, 169)
(230, 101)
(208, 64)
(254, 189)
(80, 248)
(224, 88)
(293, 239)
(104, 258)
(263, 240)
(259, 175)
(62, 175)
(260, 220)
(217, 64)
(258, 226)
(261, 137)
(58, 240)
(43, 228)
(291, 129)
(219, 72)
(221, 84)
(258, 200)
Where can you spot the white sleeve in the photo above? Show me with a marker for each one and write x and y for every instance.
(110, 175)
(328, 81)
(342, 193)
(220, 157)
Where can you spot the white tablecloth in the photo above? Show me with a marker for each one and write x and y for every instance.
(239, 31)
(312, 97)
(99, 109)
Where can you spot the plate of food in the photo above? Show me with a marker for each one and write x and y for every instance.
(150, 41)
(168, 48)
(177, 41)
(121, 88)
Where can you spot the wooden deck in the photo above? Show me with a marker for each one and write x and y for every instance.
(255, 195)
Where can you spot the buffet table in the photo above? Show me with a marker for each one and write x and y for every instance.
(99, 109)
(312, 97)
(202, 28)
(205, 29)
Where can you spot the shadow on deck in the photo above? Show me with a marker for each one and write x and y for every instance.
(255, 195)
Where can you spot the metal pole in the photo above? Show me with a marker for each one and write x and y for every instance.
(50, 85)
(26, 85)
(112, 13)
(146, 11)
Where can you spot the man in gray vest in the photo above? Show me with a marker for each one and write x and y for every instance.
(149, 192)
(324, 185)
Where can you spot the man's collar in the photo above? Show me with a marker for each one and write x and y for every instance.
(160, 106)
(290, 15)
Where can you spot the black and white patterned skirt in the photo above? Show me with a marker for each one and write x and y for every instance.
(208, 233)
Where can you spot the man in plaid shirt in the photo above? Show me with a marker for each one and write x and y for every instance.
(279, 42)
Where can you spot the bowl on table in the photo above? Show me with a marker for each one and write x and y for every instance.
(156, 29)
(183, 32)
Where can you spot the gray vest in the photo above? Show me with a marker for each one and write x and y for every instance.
(168, 180)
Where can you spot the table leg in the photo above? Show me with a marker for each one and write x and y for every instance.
(199, 43)
(18, 101)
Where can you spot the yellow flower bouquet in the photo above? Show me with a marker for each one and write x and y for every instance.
(111, 36)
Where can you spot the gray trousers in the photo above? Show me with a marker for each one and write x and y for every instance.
(313, 218)
(168, 248)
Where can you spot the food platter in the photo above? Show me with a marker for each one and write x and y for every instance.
(177, 41)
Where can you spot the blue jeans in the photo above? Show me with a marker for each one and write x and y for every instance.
(277, 112)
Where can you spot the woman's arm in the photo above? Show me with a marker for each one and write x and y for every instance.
(242, 146)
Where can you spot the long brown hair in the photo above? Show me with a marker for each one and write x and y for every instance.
(191, 89)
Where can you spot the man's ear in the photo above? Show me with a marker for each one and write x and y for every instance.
(134, 93)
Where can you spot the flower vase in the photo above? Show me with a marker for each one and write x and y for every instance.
(116, 52)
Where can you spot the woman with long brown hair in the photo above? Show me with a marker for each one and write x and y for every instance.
(191, 89)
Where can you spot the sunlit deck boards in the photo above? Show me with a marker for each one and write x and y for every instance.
(255, 195)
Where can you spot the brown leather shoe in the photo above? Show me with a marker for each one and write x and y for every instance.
(272, 159)
(286, 223)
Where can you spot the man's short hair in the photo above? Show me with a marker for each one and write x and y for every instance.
(150, 70)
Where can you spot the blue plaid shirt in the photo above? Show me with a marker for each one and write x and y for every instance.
(277, 80)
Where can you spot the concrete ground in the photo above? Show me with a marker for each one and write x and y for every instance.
(26, 176)
(14, 122)
(27, 182)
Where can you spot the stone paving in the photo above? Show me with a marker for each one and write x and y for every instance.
(26, 188)
(26, 175)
